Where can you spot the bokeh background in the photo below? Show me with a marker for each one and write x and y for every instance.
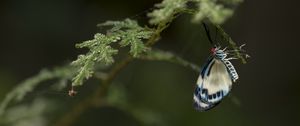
(37, 34)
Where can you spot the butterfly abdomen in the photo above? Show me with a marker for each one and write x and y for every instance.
(234, 75)
(220, 54)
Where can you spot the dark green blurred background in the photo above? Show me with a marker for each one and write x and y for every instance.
(35, 34)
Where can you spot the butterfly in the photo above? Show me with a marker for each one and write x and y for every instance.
(215, 79)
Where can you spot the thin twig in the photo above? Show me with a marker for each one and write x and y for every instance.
(232, 43)
(95, 100)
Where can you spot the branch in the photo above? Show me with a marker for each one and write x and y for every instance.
(159, 55)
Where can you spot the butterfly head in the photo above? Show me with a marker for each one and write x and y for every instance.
(213, 50)
(218, 53)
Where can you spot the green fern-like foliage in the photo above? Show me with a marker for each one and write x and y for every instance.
(215, 12)
(100, 51)
(28, 114)
(127, 33)
(130, 34)
(61, 74)
(166, 10)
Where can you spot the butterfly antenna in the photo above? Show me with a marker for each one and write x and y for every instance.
(216, 36)
(208, 33)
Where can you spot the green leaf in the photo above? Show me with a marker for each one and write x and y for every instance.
(166, 10)
(134, 39)
(118, 25)
(100, 53)
(127, 32)
(216, 12)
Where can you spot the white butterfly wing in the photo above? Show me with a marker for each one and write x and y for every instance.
(213, 84)
(218, 82)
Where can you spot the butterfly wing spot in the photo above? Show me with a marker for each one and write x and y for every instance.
(197, 90)
(204, 91)
(218, 93)
(209, 97)
(214, 96)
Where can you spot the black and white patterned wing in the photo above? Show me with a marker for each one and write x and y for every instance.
(213, 84)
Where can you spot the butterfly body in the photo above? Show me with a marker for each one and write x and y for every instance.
(215, 80)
